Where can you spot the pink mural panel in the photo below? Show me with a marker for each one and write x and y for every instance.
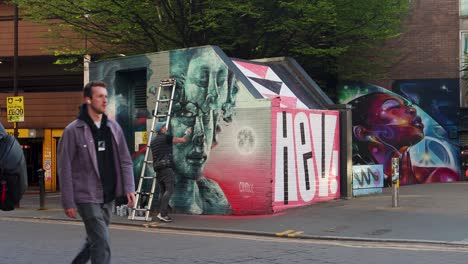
(269, 84)
(241, 162)
(305, 155)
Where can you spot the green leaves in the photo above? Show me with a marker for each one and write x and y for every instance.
(331, 39)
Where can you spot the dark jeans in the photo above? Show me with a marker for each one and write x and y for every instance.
(96, 218)
(166, 188)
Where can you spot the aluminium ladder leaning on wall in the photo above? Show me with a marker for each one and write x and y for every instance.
(144, 199)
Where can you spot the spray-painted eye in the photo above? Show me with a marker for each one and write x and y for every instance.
(186, 114)
(391, 104)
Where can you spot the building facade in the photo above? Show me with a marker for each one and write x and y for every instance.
(263, 139)
(426, 80)
(51, 94)
(427, 71)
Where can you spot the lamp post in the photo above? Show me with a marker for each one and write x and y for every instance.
(15, 64)
(395, 182)
(86, 58)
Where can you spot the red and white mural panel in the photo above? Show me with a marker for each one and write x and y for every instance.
(241, 162)
(305, 151)
(269, 84)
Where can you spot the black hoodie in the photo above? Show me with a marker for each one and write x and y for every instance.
(104, 152)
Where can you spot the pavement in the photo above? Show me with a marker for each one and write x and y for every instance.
(428, 213)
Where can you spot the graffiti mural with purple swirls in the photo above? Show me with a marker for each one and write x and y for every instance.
(387, 124)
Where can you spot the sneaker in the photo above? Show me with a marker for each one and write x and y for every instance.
(164, 218)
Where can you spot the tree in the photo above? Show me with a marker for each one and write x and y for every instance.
(331, 39)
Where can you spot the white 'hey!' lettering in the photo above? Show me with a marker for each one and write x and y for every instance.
(305, 156)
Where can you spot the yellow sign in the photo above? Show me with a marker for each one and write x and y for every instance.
(141, 139)
(15, 109)
(22, 132)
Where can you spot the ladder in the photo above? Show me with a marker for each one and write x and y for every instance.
(162, 112)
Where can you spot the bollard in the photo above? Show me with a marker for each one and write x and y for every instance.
(395, 182)
(40, 174)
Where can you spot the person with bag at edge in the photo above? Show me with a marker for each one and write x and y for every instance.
(161, 148)
(95, 168)
(13, 171)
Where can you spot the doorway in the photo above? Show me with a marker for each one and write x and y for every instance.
(130, 96)
(32, 149)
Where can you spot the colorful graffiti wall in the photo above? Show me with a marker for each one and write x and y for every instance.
(228, 165)
(306, 156)
(439, 98)
(269, 84)
(205, 95)
(413, 125)
(232, 173)
(224, 168)
(241, 161)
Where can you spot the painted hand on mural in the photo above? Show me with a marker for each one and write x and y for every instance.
(205, 93)
(387, 126)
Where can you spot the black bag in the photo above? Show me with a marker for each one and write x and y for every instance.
(13, 172)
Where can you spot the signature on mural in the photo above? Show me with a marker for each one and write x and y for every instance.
(246, 187)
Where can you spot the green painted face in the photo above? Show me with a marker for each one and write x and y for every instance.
(205, 92)
(206, 81)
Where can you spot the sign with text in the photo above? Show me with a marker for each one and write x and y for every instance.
(141, 139)
(15, 109)
(306, 150)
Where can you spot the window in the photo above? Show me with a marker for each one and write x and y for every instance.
(463, 7)
(464, 69)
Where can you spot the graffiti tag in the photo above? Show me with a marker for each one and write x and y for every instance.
(246, 187)
(367, 176)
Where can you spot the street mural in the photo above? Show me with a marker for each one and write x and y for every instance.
(268, 83)
(388, 125)
(205, 95)
(241, 161)
(306, 156)
(120, 77)
(234, 162)
(439, 98)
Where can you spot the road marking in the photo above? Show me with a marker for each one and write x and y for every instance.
(153, 225)
(411, 246)
(284, 233)
(289, 233)
(295, 234)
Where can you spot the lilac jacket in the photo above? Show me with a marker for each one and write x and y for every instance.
(78, 169)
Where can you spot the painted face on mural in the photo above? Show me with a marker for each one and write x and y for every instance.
(205, 91)
(387, 119)
(206, 81)
(190, 158)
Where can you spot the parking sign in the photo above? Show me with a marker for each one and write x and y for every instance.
(15, 109)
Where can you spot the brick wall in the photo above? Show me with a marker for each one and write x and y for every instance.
(45, 110)
(32, 39)
(429, 48)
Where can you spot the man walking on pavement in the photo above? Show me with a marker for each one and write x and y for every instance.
(161, 147)
(94, 167)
